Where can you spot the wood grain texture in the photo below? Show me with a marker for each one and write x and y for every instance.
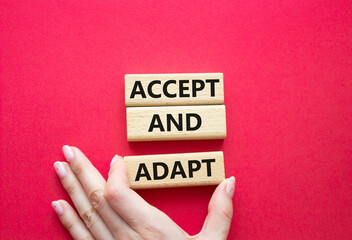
(140, 119)
(191, 177)
(201, 97)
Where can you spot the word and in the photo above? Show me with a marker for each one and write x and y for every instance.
(156, 122)
(176, 123)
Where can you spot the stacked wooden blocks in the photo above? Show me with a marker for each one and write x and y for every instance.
(175, 107)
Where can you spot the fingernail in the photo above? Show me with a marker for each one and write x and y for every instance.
(113, 160)
(57, 207)
(68, 153)
(60, 169)
(230, 187)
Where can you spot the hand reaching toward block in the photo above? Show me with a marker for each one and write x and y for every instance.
(112, 210)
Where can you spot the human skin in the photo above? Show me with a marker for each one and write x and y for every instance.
(112, 210)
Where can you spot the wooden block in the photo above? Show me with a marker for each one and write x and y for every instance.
(175, 170)
(176, 123)
(174, 89)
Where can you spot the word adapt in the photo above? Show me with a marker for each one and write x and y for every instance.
(174, 89)
(175, 170)
(176, 123)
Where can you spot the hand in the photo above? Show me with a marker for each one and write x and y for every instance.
(111, 210)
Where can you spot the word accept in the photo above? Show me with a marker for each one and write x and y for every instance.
(174, 89)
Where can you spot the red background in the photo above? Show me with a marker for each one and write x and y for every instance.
(288, 89)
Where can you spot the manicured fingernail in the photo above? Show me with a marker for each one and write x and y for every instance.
(230, 187)
(57, 207)
(113, 160)
(68, 153)
(60, 169)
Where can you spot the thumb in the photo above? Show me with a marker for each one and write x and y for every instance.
(220, 210)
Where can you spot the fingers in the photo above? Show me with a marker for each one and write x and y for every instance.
(71, 221)
(87, 174)
(90, 216)
(126, 202)
(220, 210)
(94, 185)
(142, 217)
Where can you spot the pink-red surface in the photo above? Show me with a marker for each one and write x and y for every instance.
(288, 92)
